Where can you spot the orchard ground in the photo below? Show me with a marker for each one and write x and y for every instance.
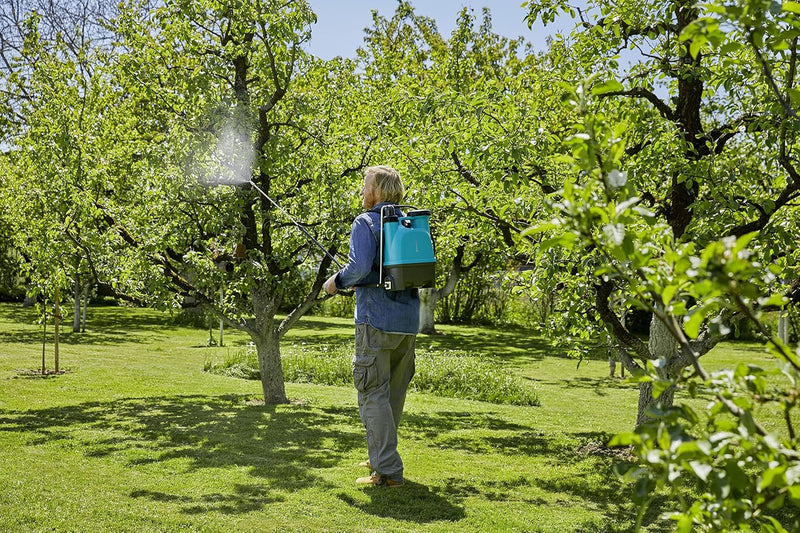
(135, 436)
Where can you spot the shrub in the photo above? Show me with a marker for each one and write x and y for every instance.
(242, 363)
(459, 374)
(325, 365)
(449, 373)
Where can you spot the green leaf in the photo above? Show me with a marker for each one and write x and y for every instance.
(773, 477)
(791, 7)
(643, 488)
(684, 524)
(701, 470)
(624, 439)
(692, 448)
(606, 87)
(692, 325)
(773, 527)
(541, 228)
(730, 47)
(743, 241)
(695, 47)
(667, 293)
(777, 502)
(565, 240)
(777, 300)
(737, 476)
(783, 352)
(659, 387)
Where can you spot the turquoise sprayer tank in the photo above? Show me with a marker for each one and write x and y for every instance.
(407, 251)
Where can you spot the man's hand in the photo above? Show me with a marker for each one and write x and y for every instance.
(330, 285)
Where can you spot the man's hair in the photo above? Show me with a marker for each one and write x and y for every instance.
(387, 184)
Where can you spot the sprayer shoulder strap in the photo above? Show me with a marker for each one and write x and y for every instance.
(375, 223)
(372, 223)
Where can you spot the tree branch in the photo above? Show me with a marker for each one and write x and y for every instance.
(311, 298)
(770, 79)
(466, 174)
(641, 92)
(788, 194)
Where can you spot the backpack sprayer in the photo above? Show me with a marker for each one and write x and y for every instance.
(406, 249)
(406, 257)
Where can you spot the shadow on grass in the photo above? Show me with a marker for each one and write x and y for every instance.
(284, 447)
(599, 386)
(591, 481)
(280, 446)
(105, 326)
(412, 502)
(246, 498)
(517, 345)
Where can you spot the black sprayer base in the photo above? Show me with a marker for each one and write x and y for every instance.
(400, 277)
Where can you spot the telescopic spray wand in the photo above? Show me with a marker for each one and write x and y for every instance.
(296, 223)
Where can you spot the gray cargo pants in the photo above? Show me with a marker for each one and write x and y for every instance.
(383, 366)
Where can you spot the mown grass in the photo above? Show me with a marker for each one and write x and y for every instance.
(137, 437)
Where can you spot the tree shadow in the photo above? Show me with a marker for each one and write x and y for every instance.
(105, 326)
(412, 502)
(600, 386)
(432, 424)
(596, 486)
(516, 345)
(245, 499)
(316, 324)
(282, 447)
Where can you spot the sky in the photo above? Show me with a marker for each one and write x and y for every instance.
(339, 30)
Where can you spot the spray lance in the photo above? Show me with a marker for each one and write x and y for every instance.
(296, 223)
(405, 248)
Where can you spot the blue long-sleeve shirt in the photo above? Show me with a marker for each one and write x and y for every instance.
(389, 311)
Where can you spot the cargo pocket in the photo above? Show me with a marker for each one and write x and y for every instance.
(365, 375)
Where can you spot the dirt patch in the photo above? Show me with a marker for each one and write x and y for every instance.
(255, 402)
(624, 453)
(37, 373)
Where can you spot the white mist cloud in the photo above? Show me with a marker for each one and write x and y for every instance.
(231, 160)
(234, 155)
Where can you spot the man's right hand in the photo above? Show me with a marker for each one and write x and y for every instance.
(330, 285)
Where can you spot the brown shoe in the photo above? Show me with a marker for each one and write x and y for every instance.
(379, 480)
(366, 464)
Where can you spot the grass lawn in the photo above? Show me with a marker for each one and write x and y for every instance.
(136, 437)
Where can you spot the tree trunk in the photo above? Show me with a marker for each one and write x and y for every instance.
(29, 301)
(44, 341)
(427, 303)
(85, 296)
(428, 298)
(269, 364)
(783, 326)
(646, 401)
(662, 346)
(221, 322)
(57, 321)
(267, 340)
(76, 313)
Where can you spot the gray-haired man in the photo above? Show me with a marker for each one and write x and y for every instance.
(386, 329)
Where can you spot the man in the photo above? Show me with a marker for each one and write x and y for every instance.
(386, 329)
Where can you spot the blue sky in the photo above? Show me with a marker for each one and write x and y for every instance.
(340, 23)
